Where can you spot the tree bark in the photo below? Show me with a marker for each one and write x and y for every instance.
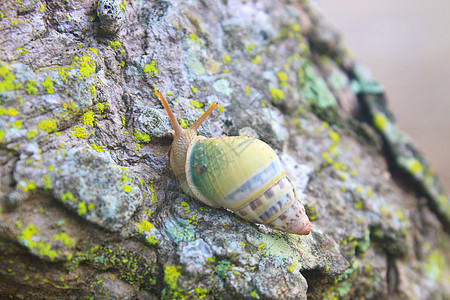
(89, 207)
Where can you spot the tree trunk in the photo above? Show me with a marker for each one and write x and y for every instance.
(90, 208)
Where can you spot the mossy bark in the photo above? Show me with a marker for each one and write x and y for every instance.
(89, 207)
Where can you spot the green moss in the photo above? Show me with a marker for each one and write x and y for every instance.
(41, 8)
(141, 137)
(171, 275)
(66, 240)
(254, 294)
(88, 118)
(30, 87)
(2, 135)
(48, 85)
(151, 68)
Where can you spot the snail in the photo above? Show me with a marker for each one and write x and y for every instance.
(242, 174)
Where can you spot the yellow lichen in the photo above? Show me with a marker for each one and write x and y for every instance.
(196, 104)
(68, 196)
(151, 68)
(29, 186)
(12, 112)
(81, 208)
(87, 65)
(88, 118)
(31, 134)
(79, 133)
(276, 93)
(226, 59)
(256, 59)
(98, 148)
(282, 77)
(171, 275)
(127, 188)
(48, 125)
(48, 85)
(141, 137)
(381, 122)
(334, 136)
(115, 45)
(47, 182)
(66, 240)
(30, 87)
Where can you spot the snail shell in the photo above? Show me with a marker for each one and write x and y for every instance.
(239, 173)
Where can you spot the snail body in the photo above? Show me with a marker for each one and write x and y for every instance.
(242, 174)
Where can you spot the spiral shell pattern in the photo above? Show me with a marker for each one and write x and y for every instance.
(245, 175)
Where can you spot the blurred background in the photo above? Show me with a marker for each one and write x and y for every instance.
(406, 44)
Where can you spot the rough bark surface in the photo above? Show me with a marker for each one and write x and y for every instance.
(90, 209)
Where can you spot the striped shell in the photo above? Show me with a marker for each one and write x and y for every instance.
(239, 173)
